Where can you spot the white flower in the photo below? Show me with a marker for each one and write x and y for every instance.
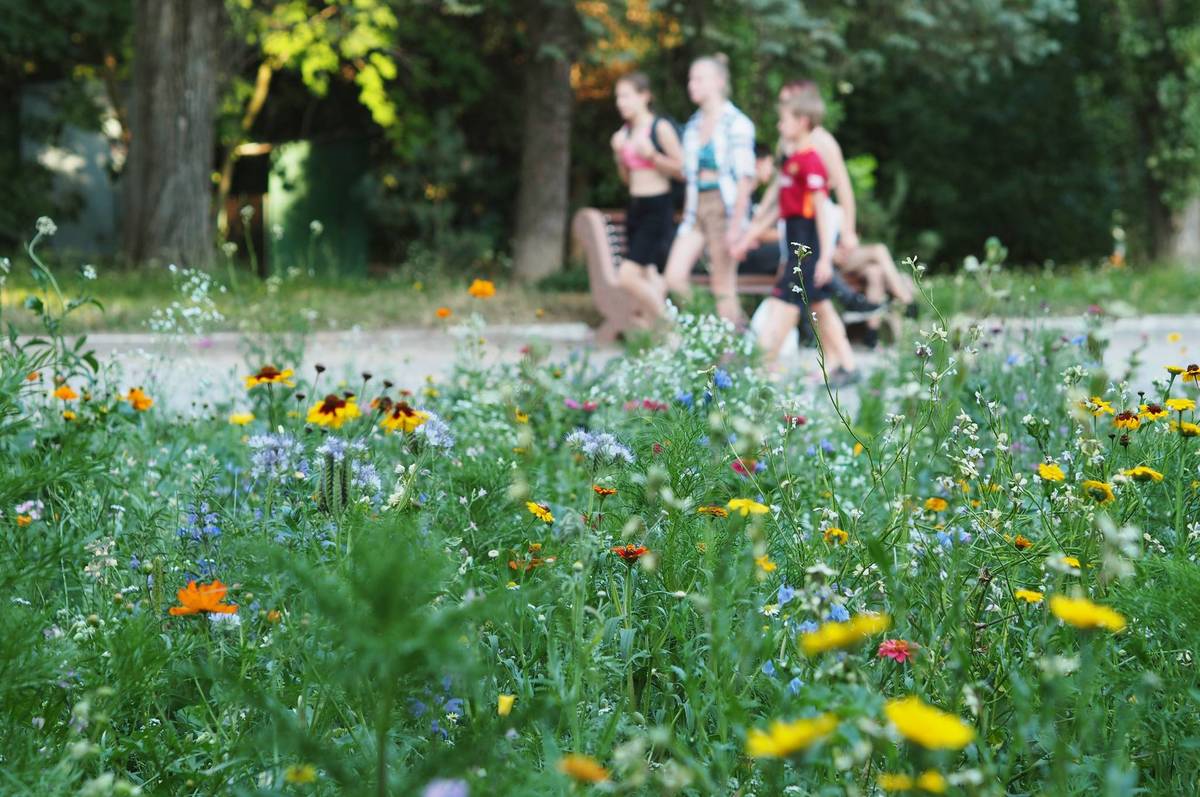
(316, 227)
(46, 226)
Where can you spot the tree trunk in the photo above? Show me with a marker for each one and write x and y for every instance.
(167, 181)
(542, 198)
(1184, 241)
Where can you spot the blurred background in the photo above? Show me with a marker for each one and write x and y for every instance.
(365, 137)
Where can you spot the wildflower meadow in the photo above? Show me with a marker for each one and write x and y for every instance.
(664, 575)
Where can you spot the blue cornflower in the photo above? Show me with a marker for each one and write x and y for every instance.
(826, 446)
(794, 685)
(722, 379)
(786, 594)
(838, 613)
(685, 399)
(768, 669)
(807, 627)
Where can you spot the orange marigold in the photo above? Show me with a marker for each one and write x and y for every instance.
(200, 598)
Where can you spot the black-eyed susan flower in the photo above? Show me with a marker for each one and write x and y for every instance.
(1180, 404)
(540, 511)
(747, 506)
(782, 739)
(1097, 406)
(1192, 374)
(1141, 473)
(520, 417)
(1126, 421)
(1082, 613)
(482, 289)
(582, 768)
(1186, 428)
(839, 635)
(403, 418)
(836, 536)
(1098, 491)
(927, 726)
(333, 411)
(1152, 412)
(1028, 595)
(270, 375)
(138, 399)
(1050, 472)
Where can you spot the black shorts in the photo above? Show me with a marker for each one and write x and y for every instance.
(801, 231)
(649, 230)
(762, 259)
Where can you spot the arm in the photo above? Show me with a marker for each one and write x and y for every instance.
(669, 162)
(839, 182)
(622, 172)
(823, 272)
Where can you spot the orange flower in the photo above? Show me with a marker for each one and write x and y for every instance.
(1022, 542)
(936, 504)
(631, 553)
(715, 511)
(198, 598)
(603, 492)
(24, 520)
(443, 312)
(65, 393)
(583, 768)
(138, 399)
(33, 376)
(482, 289)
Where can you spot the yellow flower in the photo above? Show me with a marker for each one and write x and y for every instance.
(504, 704)
(1192, 374)
(858, 449)
(482, 289)
(1186, 429)
(1152, 412)
(1100, 492)
(402, 417)
(1174, 337)
(835, 636)
(927, 726)
(1175, 370)
(65, 393)
(931, 781)
(270, 375)
(68, 415)
(715, 511)
(1071, 561)
(1028, 595)
(834, 535)
(300, 774)
(1097, 406)
(782, 739)
(895, 781)
(1127, 421)
(241, 418)
(1180, 404)
(333, 411)
(138, 399)
(1143, 474)
(540, 511)
(583, 768)
(747, 506)
(936, 504)
(1082, 613)
(765, 563)
(521, 417)
(1051, 472)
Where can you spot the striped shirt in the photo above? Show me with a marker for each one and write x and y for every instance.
(732, 144)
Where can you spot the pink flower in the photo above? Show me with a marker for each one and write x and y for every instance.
(587, 406)
(898, 650)
(654, 406)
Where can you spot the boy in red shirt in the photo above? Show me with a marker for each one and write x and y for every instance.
(802, 190)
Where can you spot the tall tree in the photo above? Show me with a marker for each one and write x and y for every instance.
(167, 183)
(541, 227)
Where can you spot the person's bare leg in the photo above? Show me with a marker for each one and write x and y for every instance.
(834, 342)
(781, 319)
(875, 291)
(632, 277)
(685, 251)
(894, 282)
(722, 269)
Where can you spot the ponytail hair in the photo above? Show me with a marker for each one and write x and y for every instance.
(719, 62)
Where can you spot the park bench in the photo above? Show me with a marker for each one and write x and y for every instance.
(600, 237)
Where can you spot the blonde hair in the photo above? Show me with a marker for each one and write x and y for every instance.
(719, 62)
(804, 100)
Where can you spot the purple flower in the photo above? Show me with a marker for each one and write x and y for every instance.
(446, 788)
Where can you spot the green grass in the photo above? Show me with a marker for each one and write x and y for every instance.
(410, 298)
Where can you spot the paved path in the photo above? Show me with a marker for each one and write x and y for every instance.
(182, 372)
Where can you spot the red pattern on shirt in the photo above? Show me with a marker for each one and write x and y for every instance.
(802, 179)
